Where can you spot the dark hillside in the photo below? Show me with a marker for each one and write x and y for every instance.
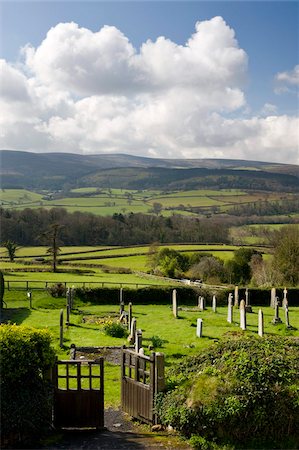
(66, 170)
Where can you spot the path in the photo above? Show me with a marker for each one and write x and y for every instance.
(120, 434)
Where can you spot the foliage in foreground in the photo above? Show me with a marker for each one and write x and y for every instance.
(26, 356)
(242, 391)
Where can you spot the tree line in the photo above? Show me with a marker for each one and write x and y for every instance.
(29, 227)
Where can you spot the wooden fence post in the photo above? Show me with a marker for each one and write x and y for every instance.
(160, 373)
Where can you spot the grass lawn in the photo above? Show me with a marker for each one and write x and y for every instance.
(178, 335)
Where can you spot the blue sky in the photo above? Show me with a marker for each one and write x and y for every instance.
(266, 31)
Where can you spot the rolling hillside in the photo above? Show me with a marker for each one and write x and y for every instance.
(58, 171)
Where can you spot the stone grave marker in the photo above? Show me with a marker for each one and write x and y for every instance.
(230, 310)
(73, 351)
(273, 298)
(199, 328)
(247, 302)
(129, 315)
(242, 315)
(214, 304)
(138, 340)
(29, 296)
(287, 318)
(132, 335)
(285, 302)
(261, 323)
(276, 319)
(174, 304)
(236, 304)
(61, 328)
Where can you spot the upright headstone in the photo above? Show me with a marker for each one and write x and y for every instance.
(261, 323)
(242, 315)
(276, 319)
(285, 302)
(201, 303)
(214, 304)
(199, 328)
(121, 308)
(174, 304)
(73, 351)
(29, 296)
(129, 315)
(287, 318)
(273, 298)
(133, 330)
(138, 340)
(61, 328)
(236, 304)
(247, 302)
(72, 296)
(68, 307)
(230, 309)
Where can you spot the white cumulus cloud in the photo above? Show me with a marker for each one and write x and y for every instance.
(93, 92)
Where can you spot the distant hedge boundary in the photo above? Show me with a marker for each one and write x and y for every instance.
(185, 295)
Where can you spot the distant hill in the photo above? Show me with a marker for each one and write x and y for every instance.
(29, 170)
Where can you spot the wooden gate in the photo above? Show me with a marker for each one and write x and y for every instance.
(141, 379)
(79, 394)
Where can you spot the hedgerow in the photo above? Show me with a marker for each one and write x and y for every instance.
(26, 393)
(242, 391)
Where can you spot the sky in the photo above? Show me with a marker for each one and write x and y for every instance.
(181, 79)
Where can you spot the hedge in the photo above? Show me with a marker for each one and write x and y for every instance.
(185, 295)
(26, 393)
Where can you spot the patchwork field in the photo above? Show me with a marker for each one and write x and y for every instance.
(106, 202)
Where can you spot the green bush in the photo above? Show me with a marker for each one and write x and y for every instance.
(241, 391)
(57, 290)
(26, 393)
(157, 341)
(115, 329)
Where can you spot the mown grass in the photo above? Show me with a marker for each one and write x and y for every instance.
(178, 335)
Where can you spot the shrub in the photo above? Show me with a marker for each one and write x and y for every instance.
(241, 391)
(115, 329)
(57, 290)
(26, 401)
(157, 341)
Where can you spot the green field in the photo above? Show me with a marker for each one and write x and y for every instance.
(107, 202)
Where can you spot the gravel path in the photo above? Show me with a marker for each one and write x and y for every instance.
(119, 434)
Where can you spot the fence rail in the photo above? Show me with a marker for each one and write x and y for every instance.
(41, 285)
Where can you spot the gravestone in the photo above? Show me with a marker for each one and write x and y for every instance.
(199, 328)
(276, 319)
(287, 318)
(61, 328)
(174, 304)
(285, 302)
(247, 302)
(29, 296)
(73, 351)
(261, 323)
(236, 304)
(72, 296)
(201, 303)
(242, 315)
(214, 304)
(121, 307)
(230, 310)
(132, 335)
(68, 307)
(129, 315)
(273, 298)
(138, 340)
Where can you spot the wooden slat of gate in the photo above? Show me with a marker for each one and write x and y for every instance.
(79, 407)
(137, 393)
